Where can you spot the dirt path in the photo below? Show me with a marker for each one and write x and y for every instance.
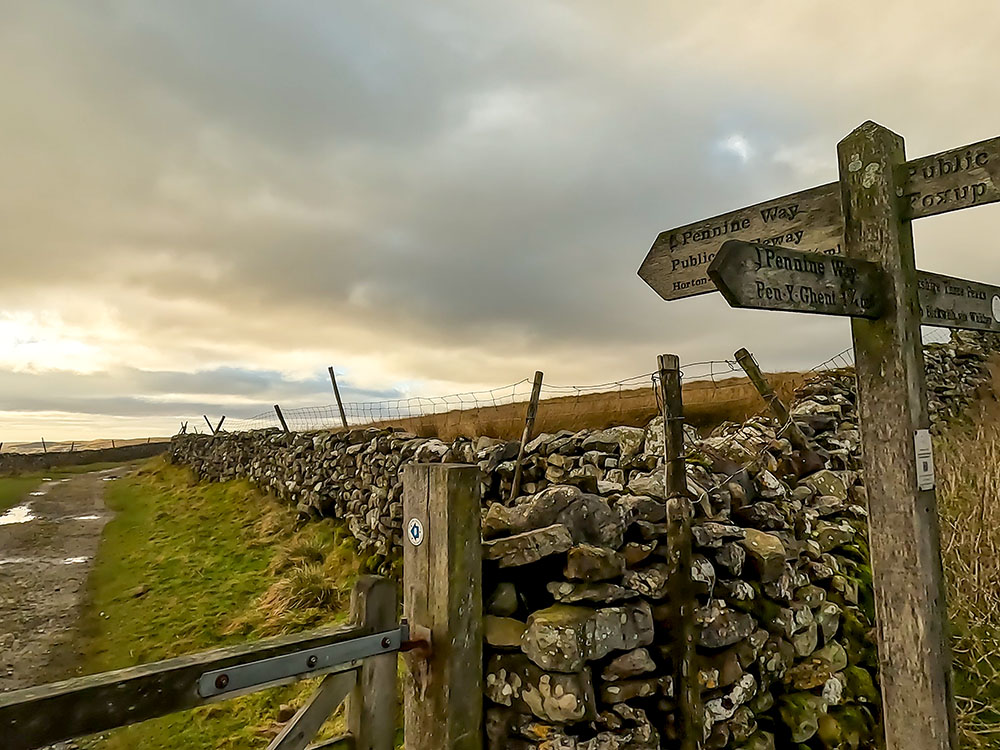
(47, 548)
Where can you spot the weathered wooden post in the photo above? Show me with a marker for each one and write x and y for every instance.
(210, 428)
(45, 448)
(904, 538)
(778, 410)
(281, 419)
(865, 215)
(373, 705)
(529, 423)
(442, 591)
(679, 513)
(218, 427)
(336, 392)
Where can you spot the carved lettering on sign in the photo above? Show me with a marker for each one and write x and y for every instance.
(812, 220)
(956, 303)
(964, 169)
(775, 278)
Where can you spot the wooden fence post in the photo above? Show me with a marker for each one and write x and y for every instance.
(745, 360)
(45, 448)
(336, 392)
(373, 706)
(218, 427)
(210, 428)
(679, 513)
(917, 703)
(529, 423)
(442, 591)
(281, 418)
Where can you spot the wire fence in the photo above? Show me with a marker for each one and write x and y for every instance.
(713, 380)
(716, 382)
(845, 359)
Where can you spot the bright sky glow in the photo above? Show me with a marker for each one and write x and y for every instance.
(206, 204)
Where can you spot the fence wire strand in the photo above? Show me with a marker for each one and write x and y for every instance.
(723, 377)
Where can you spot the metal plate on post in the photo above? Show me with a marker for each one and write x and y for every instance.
(925, 459)
(336, 656)
(415, 532)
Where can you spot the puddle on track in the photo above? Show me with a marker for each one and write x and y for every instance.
(87, 518)
(18, 514)
(75, 560)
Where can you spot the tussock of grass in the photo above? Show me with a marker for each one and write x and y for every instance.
(308, 582)
(969, 499)
(186, 566)
(304, 549)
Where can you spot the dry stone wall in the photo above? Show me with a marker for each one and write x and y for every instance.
(578, 617)
(23, 463)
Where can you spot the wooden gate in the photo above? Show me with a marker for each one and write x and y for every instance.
(442, 583)
(357, 659)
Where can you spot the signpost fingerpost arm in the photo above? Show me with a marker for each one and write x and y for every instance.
(904, 536)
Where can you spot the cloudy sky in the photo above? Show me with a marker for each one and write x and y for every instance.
(204, 203)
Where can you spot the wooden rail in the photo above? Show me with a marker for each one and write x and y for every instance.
(358, 659)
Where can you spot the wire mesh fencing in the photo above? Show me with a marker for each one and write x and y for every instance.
(845, 359)
(714, 390)
(710, 385)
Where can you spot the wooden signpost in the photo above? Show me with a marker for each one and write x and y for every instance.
(774, 278)
(813, 220)
(956, 303)
(783, 255)
(765, 277)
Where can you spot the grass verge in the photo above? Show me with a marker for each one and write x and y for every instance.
(187, 566)
(14, 489)
(969, 500)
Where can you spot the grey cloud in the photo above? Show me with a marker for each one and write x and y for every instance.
(461, 193)
(236, 392)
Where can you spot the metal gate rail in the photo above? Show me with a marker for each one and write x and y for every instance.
(38, 716)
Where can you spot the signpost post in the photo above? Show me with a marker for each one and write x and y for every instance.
(914, 657)
(846, 248)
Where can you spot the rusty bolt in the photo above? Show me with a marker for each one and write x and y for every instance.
(221, 681)
(386, 642)
(312, 661)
